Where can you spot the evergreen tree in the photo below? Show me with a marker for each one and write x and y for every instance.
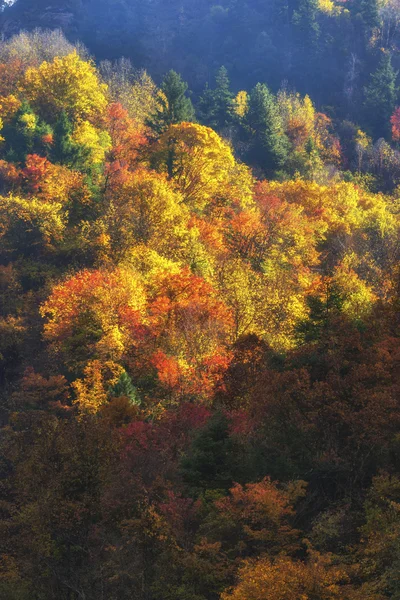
(174, 106)
(64, 150)
(125, 388)
(210, 462)
(305, 22)
(20, 134)
(368, 12)
(216, 104)
(269, 144)
(380, 97)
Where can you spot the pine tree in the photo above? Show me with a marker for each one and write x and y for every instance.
(306, 25)
(210, 461)
(368, 12)
(20, 134)
(269, 147)
(64, 150)
(125, 388)
(173, 106)
(380, 97)
(216, 104)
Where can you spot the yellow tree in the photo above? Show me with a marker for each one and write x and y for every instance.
(201, 164)
(30, 226)
(285, 579)
(143, 208)
(67, 84)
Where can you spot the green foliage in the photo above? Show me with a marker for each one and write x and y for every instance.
(209, 463)
(269, 145)
(64, 150)
(380, 96)
(173, 104)
(124, 387)
(215, 105)
(24, 135)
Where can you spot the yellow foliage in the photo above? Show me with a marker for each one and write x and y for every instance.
(145, 209)
(98, 142)
(329, 7)
(141, 101)
(149, 263)
(91, 391)
(298, 116)
(362, 139)
(241, 103)
(29, 121)
(43, 221)
(61, 185)
(285, 579)
(8, 107)
(67, 84)
(358, 297)
(243, 291)
(199, 161)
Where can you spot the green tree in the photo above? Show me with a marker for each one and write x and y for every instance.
(173, 104)
(305, 24)
(368, 12)
(209, 463)
(24, 135)
(125, 388)
(216, 104)
(380, 97)
(64, 150)
(269, 148)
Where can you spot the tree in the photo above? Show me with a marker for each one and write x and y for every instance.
(127, 136)
(368, 12)
(395, 123)
(285, 579)
(381, 96)
(25, 134)
(209, 462)
(64, 150)
(125, 388)
(200, 163)
(94, 315)
(30, 226)
(67, 84)
(269, 145)
(192, 327)
(216, 106)
(306, 25)
(173, 104)
(143, 209)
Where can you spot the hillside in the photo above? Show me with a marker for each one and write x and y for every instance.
(199, 329)
(324, 48)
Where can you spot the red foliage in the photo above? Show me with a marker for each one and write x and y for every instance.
(127, 137)
(35, 171)
(395, 122)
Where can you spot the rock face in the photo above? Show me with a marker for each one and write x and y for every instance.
(144, 30)
(49, 14)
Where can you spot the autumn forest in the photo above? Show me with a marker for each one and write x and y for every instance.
(199, 304)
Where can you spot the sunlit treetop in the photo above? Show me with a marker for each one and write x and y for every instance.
(67, 84)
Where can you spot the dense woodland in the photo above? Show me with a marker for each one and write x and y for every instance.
(199, 305)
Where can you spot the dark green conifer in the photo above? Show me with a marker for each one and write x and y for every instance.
(381, 97)
(174, 105)
(269, 144)
(216, 104)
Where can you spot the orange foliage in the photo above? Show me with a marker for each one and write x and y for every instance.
(126, 135)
